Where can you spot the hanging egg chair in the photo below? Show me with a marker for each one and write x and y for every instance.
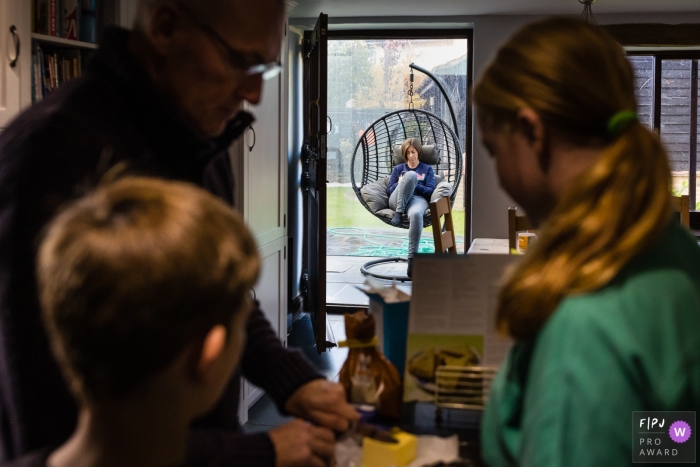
(379, 150)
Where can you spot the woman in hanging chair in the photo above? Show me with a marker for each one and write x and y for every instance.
(409, 188)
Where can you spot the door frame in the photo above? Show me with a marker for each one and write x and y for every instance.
(452, 33)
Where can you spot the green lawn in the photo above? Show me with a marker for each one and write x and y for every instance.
(345, 210)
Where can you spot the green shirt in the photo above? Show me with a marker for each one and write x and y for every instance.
(566, 398)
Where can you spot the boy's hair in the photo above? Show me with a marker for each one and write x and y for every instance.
(133, 273)
(411, 142)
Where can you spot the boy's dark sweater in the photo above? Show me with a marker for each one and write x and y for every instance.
(53, 153)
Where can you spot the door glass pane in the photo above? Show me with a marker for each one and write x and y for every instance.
(368, 79)
(675, 119)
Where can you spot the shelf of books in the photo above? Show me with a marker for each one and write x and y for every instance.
(64, 36)
(51, 41)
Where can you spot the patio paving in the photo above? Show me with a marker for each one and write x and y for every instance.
(343, 275)
(348, 248)
(353, 241)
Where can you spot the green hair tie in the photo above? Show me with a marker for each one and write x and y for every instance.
(619, 122)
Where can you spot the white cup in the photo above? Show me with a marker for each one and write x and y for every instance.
(525, 239)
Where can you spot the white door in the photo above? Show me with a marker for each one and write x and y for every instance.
(259, 161)
(271, 291)
(265, 167)
(10, 48)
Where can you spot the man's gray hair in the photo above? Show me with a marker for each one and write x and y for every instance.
(205, 10)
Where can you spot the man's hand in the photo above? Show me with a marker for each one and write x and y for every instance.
(300, 444)
(323, 403)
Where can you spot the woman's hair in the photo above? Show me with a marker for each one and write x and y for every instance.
(576, 78)
(411, 142)
(133, 273)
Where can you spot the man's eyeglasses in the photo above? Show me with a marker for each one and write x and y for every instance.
(235, 58)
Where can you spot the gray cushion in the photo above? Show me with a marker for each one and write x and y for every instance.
(375, 195)
(444, 188)
(385, 213)
(429, 155)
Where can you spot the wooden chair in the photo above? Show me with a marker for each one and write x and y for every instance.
(444, 241)
(516, 224)
(682, 205)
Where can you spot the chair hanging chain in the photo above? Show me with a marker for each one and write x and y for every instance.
(410, 93)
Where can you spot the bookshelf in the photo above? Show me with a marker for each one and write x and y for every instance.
(17, 83)
(64, 37)
(52, 41)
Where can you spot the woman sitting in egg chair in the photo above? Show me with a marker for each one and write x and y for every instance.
(409, 188)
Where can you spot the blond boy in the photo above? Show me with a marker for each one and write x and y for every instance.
(144, 286)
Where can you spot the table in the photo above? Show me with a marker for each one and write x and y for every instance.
(493, 246)
(418, 418)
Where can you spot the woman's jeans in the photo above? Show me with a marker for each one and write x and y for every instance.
(403, 200)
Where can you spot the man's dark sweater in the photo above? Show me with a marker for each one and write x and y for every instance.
(112, 118)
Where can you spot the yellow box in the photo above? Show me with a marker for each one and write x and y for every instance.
(380, 454)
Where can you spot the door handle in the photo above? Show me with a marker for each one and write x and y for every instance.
(250, 148)
(15, 39)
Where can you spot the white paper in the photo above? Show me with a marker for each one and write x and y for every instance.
(434, 449)
(430, 450)
(457, 295)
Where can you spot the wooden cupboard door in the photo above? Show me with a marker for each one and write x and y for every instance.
(265, 149)
(12, 48)
(271, 291)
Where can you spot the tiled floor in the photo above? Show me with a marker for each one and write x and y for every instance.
(343, 275)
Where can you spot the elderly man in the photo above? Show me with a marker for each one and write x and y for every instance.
(163, 100)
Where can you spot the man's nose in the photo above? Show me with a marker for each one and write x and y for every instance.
(251, 89)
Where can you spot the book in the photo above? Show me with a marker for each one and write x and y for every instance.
(89, 5)
(71, 19)
(34, 99)
(53, 17)
(41, 13)
(50, 69)
(87, 31)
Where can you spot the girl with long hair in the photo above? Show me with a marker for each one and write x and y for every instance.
(605, 308)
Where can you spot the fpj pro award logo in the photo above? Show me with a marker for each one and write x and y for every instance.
(663, 437)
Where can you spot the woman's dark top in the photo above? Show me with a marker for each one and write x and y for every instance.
(426, 179)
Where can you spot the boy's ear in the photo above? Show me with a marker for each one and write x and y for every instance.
(211, 349)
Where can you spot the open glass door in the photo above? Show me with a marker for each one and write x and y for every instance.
(314, 178)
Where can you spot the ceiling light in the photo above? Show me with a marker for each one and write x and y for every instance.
(587, 14)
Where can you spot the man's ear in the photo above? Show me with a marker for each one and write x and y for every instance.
(529, 124)
(210, 351)
(166, 20)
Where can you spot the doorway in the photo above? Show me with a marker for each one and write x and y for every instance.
(369, 77)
